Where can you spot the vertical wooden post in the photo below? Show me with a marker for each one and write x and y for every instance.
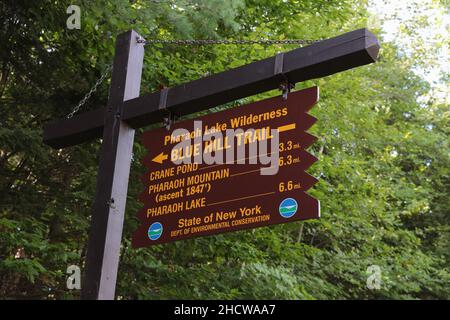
(102, 258)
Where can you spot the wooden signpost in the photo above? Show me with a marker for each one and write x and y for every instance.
(196, 199)
(126, 111)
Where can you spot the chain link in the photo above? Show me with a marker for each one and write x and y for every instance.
(237, 42)
(89, 94)
(185, 42)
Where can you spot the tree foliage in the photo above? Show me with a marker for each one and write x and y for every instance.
(383, 165)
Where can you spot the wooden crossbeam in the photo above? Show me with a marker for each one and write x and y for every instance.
(347, 51)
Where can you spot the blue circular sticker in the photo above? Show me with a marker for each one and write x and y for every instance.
(288, 207)
(155, 231)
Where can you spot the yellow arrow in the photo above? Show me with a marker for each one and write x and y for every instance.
(160, 158)
(286, 127)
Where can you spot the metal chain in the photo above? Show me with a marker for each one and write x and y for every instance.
(237, 42)
(89, 94)
(185, 42)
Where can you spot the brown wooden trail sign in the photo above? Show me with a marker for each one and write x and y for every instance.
(126, 111)
(196, 199)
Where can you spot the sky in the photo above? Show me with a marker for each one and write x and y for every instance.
(420, 28)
